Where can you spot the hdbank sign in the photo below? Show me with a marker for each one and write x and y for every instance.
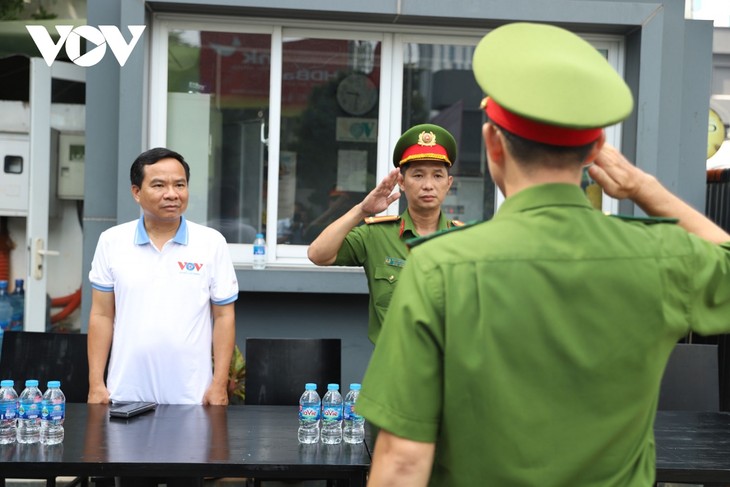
(71, 36)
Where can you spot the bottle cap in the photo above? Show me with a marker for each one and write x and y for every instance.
(333, 387)
(7, 383)
(31, 383)
(355, 386)
(310, 386)
(53, 383)
(3, 284)
(259, 235)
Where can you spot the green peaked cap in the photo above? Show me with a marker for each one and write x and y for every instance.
(550, 75)
(425, 142)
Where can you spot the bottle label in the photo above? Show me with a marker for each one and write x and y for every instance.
(8, 410)
(309, 412)
(259, 250)
(29, 410)
(350, 413)
(331, 414)
(54, 412)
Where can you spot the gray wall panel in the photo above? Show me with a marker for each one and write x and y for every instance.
(692, 162)
(101, 185)
(132, 110)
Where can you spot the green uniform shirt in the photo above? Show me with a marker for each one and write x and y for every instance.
(381, 250)
(531, 348)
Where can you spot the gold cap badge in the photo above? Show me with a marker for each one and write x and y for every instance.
(427, 139)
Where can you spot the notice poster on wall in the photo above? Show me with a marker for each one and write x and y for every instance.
(352, 170)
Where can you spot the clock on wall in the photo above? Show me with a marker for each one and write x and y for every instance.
(357, 94)
(715, 133)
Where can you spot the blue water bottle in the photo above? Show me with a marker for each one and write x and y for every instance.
(8, 411)
(29, 413)
(354, 429)
(259, 252)
(332, 415)
(309, 405)
(53, 412)
(6, 309)
(17, 299)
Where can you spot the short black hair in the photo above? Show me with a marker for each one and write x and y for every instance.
(528, 151)
(136, 172)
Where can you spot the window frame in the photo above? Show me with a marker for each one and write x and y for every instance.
(392, 39)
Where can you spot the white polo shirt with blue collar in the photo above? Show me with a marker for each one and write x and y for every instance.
(162, 339)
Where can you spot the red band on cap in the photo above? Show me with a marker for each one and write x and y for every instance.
(423, 152)
(538, 131)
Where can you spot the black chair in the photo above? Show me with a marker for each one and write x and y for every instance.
(278, 368)
(48, 356)
(691, 381)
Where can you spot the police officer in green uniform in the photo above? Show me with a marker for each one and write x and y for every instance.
(529, 349)
(422, 157)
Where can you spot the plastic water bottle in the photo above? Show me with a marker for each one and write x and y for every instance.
(29, 413)
(8, 411)
(53, 411)
(259, 252)
(17, 299)
(354, 430)
(332, 415)
(309, 405)
(6, 309)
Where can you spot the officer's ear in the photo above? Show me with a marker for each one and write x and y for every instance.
(494, 143)
(596, 149)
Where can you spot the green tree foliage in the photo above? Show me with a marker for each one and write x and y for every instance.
(10, 9)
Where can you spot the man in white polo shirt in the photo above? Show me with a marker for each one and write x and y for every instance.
(156, 283)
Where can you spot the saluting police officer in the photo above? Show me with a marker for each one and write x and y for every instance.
(422, 156)
(529, 349)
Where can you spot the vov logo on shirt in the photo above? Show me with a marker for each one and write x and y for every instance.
(71, 36)
(190, 266)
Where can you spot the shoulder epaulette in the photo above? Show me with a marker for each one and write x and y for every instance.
(381, 219)
(410, 243)
(648, 220)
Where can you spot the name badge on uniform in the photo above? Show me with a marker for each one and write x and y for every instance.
(395, 262)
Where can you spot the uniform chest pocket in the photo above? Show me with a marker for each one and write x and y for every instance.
(386, 277)
(387, 273)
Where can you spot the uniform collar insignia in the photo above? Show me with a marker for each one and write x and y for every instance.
(395, 262)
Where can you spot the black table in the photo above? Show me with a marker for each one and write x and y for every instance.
(186, 441)
(260, 441)
(693, 447)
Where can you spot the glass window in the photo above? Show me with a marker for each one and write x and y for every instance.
(329, 127)
(218, 99)
(300, 156)
(439, 88)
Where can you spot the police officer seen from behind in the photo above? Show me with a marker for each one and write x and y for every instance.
(529, 349)
(422, 156)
